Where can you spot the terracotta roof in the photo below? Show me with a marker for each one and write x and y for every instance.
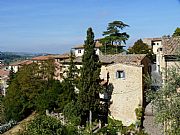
(40, 58)
(153, 39)
(62, 56)
(132, 59)
(24, 62)
(97, 45)
(171, 46)
(4, 72)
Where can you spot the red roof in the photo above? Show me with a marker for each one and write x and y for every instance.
(4, 72)
(97, 45)
(24, 62)
(48, 57)
(62, 56)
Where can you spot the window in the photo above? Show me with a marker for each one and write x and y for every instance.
(157, 43)
(61, 75)
(120, 74)
(79, 51)
(159, 49)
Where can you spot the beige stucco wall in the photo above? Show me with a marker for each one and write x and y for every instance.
(160, 62)
(171, 64)
(127, 92)
(77, 54)
(156, 45)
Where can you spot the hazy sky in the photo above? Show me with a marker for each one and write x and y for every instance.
(55, 26)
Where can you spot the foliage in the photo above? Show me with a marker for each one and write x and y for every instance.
(68, 85)
(48, 99)
(113, 34)
(139, 114)
(141, 48)
(111, 49)
(11, 76)
(21, 93)
(2, 114)
(166, 102)
(89, 81)
(114, 127)
(46, 125)
(46, 70)
(71, 113)
(29, 91)
(176, 32)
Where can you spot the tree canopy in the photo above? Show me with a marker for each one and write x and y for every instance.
(112, 42)
(69, 84)
(140, 48)
(176, 32)
(166, 102)
(31, 89)
(46, 125)
(113, 35)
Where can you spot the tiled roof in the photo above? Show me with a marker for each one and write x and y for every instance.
(40, 58)
(62, 56)
(133, 59)
(97, 45)
(3, 73)
(49, 57)
(153, 39)
(171, 46)
(24, 62)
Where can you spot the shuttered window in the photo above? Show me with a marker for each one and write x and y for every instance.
(120, 74)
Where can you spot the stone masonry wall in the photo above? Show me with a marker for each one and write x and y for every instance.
(127, 92)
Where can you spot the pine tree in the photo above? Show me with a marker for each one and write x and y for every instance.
(140, 47)
(89, 82)
(176, 32)
(112, 42)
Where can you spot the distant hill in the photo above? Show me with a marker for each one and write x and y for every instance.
(8, 57)
(21, 54)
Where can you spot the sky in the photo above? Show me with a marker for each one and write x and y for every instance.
(55, 26)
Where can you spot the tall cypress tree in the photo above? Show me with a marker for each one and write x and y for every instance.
(89, 82)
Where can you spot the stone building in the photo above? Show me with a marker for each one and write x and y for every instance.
(169, 53)
(155, 43)
(126, 77)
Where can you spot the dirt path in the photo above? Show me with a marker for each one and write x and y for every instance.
(20, 126)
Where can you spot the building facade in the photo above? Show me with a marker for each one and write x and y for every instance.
(169, 54)
(79, 50)
(126, 78)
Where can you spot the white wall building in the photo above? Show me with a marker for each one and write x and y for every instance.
(79, 50)
(3, 81)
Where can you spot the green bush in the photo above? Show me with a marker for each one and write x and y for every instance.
(46, 125)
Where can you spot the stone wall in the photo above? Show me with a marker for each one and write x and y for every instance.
(127, 92)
